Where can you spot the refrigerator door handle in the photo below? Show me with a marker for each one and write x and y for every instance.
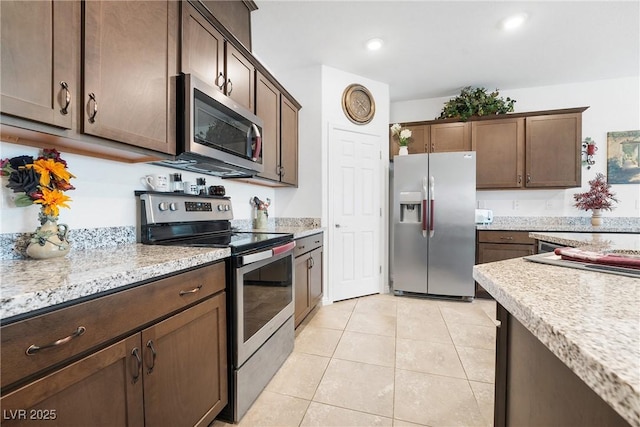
(432, 197)
(424, 206)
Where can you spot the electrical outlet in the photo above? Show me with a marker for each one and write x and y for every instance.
(482, 204)
(637, 204)
(516, 205)
(548, 205)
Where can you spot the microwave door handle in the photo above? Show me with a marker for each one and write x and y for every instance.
(256, 142)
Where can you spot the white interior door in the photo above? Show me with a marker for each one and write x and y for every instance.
(355, 190)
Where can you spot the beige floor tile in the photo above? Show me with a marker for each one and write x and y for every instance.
(429, 357)
(331, 318)
(418, 306)
(371, 323)
(464, 312)
(358, 386)
(435, 400)
(273, 409)
(347, 304)
(478, 363)
(322, 415)
(473, 335)
(299, 376)
(401, 423)
(377, 304)
(487, 305)
(366, 348)
(218, 423)
(423, 327)
(484, 394)
(318, 341)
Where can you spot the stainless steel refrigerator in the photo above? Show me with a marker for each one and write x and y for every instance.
(433, 235)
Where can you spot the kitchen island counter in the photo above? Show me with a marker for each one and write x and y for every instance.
(590, 321)
(34, 285)
(592, 241)
(562, 224)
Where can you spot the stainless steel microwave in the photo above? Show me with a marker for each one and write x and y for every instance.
(216, 135)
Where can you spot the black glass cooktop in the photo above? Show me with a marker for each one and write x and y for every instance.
(237, 241)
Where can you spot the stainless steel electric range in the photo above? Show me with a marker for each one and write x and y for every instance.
(259, 284)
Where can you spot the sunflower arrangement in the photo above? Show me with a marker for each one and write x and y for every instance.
(42, 181)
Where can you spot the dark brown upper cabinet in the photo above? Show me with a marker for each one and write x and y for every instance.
(40, 56)
(207, 54)
(499, 147)
(288, 142)
(268, 109)
(130, 64)
(446, 137)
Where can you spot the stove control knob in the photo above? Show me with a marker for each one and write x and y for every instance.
(220, 208)
(226, 207)
(163, 206)
(173, 206)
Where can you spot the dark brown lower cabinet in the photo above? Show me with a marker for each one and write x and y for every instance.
(308, 270)
(500, 245)
(534, 388)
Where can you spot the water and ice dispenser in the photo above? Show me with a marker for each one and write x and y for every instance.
(410, 206)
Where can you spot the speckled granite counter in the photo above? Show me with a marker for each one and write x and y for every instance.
(572, 224)
(297, 231)
(29, 285)
(590, 321)
(593, 241)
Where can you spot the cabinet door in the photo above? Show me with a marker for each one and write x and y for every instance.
(268, 109)
(103, 389)
(39, 58)
(288, 142)
(553, 145)
(315, 277)
(446, 137)
(129, 68)
(240, 84)
(301, 295)
(202, 48)
(499, 147)
(491, 252)
(185, 366)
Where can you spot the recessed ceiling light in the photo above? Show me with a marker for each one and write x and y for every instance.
(514, 21)
(374, 44)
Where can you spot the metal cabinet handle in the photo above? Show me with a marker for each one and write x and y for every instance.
(220, 85)
(433, 147)
(528, 178)
(519, 179)
(506, 238)
(229, 87)
(312, 262)
(136, 354)
(33, 349)
(67, 97)
(282, 171)
(192, 291)
(92, 117)
(153, 356)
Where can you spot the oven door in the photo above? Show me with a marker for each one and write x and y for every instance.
(263, 298)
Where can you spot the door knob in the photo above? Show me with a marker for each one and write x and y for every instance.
(337, 225)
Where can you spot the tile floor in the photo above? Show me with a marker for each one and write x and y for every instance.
(383, 360)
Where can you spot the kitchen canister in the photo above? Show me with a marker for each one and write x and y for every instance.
(260, 219)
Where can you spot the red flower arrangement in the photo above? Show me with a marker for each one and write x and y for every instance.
(599, 195)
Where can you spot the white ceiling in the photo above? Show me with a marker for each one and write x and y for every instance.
(434, 48)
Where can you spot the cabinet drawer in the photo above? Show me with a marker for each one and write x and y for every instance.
(520, 237)
(103, 319)
(306, 244)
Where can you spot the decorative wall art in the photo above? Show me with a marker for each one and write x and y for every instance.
(623, 157)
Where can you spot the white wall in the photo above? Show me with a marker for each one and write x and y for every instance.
(104, 193)
(614, 105)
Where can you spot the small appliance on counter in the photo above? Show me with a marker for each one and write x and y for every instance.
(484, 216)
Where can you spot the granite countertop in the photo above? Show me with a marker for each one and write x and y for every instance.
(592, 241)
(29, 285)
(297, 231)
(589, 320)
(568, 224)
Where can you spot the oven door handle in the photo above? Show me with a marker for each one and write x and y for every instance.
(259, 256)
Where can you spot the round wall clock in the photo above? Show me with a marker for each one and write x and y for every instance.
(358, 104)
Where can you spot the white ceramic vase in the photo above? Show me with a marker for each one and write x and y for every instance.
(596, 218)
(403, 150)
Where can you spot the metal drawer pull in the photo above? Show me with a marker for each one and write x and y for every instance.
(506, 238)
(67, 98)
(92, 118)
(192, 291)
(229, 87)
(312, 262)
(153, 356)
(33, 349)
(136, 353)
